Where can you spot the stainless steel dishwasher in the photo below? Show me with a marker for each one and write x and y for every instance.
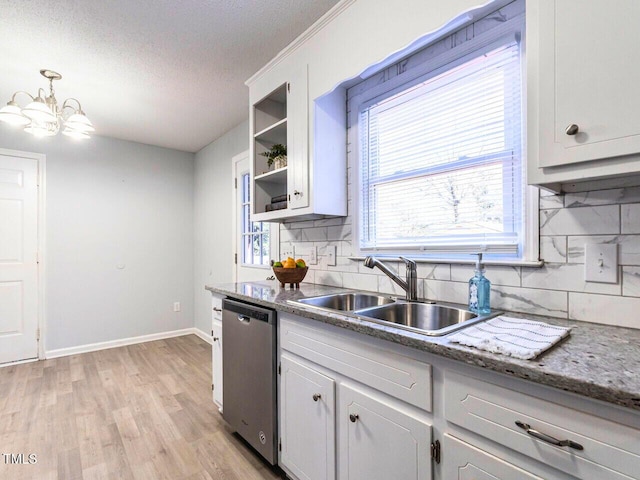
(249, 374)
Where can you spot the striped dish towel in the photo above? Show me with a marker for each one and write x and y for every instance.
(515, 337)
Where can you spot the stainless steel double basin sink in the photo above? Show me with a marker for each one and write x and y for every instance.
(422, 317)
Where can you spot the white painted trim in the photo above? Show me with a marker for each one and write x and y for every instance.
(234, 210)
(42, 195)
(302, 39)
(18, 362)
(92, 347)
(203, 335)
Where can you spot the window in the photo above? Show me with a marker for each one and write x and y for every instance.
(441, 167)
(255, 235)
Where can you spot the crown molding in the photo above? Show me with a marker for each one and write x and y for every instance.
(302, 39)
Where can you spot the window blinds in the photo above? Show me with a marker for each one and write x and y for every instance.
(441, 167)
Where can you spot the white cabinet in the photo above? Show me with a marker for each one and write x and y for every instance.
(568, 440)
(307, 421)
(583, 74)
(379, 428)
(466, 462)
(379, 440)
(216, 350)
(312, 184)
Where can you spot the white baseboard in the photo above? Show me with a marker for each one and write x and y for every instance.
(92, 347)
(203, 335)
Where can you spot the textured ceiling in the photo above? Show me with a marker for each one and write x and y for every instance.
(167, 73)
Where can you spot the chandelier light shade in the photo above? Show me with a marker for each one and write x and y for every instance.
(43, 117)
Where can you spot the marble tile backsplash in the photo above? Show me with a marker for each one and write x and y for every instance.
(558, 289)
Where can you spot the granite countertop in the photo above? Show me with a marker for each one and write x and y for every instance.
(598, 361)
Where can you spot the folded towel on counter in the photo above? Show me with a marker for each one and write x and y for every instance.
(515, 337)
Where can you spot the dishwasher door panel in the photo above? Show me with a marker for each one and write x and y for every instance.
(249, 375)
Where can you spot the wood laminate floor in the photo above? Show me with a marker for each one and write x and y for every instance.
(136, 412)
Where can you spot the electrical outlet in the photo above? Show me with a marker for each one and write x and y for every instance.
(313, 256)
(176, 306)
(601, 263)
(288, 251)
(331, 255)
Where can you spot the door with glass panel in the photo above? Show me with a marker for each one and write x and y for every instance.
(256, 242)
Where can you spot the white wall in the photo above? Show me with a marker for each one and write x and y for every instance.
(114, 203)
(213, 219)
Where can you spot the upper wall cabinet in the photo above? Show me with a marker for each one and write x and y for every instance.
(583, 103)
(291, 186)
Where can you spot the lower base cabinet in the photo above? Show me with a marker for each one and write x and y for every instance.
(307, 421)
(465, 462)
(216, 361)
(378, 441)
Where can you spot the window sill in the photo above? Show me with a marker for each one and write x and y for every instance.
(457, 261)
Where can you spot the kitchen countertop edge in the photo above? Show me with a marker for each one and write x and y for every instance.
(581, 364)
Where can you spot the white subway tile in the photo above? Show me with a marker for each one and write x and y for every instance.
(360, 281)
(290, 235)
(631, 218)
(339, 232)
(333, 279)
(553, 249)
(551, 201)
(386, 285)
(631, 281)
(596, 197)
(434, 271)
(628, 247)
(581, 221)
(328, 222)
(610, 310)
(315, 234)
(497, 274)
(443, 291)
(529, 300)
(568, 277)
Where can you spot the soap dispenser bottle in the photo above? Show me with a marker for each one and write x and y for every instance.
(479, 290)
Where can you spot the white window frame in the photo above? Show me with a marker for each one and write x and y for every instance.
(443, 62)
(247, 230)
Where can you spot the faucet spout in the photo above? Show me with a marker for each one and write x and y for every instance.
(410, 285)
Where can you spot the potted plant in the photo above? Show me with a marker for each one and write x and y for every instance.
(277, 156)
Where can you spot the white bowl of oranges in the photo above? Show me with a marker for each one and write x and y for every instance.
(290, 271)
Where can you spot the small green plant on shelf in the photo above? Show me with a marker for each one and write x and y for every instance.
(277, 155)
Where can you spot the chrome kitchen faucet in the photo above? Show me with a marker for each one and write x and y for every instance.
(410, 285)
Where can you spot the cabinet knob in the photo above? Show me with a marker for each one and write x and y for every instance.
(572, 129)
(215, 339)
(316, 397)
(296, 193)
(354, 417)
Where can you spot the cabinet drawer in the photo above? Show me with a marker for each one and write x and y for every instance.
(400, 376)
(610, 450)
(466, 462)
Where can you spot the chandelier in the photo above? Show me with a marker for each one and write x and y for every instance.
(43, 117)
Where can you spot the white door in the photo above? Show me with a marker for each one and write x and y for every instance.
(307, 421)
(18, 258)
(256, 243)
(379, 441)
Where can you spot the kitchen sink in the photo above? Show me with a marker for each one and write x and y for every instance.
(429, 319)
(346, 302)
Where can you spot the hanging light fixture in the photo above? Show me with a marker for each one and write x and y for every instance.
(43, 117)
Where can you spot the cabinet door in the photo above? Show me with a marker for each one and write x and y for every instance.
(588, 75)
(379, 441)
(461, 461)
(298, 139)
(307, 423)
(216, 352)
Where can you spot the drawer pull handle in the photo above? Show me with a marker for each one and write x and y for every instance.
(548, 438)
(354, 417)
(316, 397)
(216, 309)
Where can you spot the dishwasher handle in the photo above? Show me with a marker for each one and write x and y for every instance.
(244, 318)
